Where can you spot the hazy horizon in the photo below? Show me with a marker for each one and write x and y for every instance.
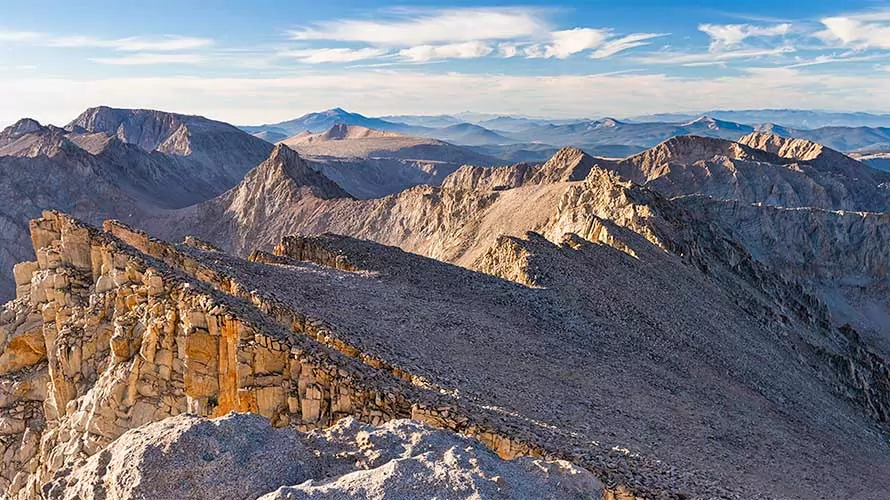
(272, 60)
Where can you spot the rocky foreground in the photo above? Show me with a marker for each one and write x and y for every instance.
(113, 330)
(241, 456)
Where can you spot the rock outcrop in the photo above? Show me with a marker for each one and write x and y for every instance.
(242, 456)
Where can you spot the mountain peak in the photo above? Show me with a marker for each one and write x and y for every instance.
(608, 122)
(803, 150)
(22, 127)
(285, 166)
(342, 131)
(570, 164)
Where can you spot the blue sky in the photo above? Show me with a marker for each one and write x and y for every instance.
(265, 61)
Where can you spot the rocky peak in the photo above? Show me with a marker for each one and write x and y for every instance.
(817, 155)
(687, 149)
(569, 163)
(285, 167)
(22, 127)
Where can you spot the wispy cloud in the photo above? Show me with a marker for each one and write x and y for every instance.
(434, 35)
(165, 43)
(147, 59)
(711, 58)
(569, 42)
(262, 99)
(19, 36)
(617, 45)
(730, 36)
(161, 43)
(430, 27)
(836, 59)
(336, 55)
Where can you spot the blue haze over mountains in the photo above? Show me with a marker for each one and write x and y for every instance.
(521, 138)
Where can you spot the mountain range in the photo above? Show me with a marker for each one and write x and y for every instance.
(705, 318)
(533, 139)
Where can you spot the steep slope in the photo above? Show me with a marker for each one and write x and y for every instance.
(212, 156)
(282, 187)
(114, 163)
(373, 163)
(878, 161)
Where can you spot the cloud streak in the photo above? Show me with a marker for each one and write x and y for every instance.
(336, 55)
(430, 28)
(730, 36)
(244, 100)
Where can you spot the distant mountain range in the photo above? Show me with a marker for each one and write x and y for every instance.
(534, 139)
(796, 118)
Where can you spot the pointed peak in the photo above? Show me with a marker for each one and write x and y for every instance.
(283, 154)
(285, 166)
(571, 163)
(22, 127)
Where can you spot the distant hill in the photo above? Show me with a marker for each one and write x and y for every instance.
(793, 118)
(610, 131)
(319, 122)
(372, 163)
(467, 134)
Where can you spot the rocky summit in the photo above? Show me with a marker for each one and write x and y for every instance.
(197, 313)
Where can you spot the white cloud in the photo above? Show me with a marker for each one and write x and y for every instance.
(431, 27)
(148, 59)
(508, 50)
(263, 100)
(617, 45)
(712, 58)
(728, 36)
(337, 55)
(466, 50)
(569, 42)
(858, 31)
(163, 43)
(19, 36)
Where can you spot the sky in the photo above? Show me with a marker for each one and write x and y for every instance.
(266, 61)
